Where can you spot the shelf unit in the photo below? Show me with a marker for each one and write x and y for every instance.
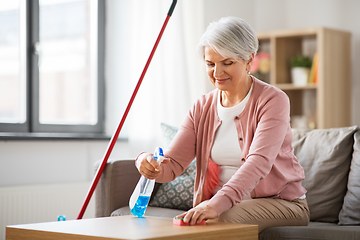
(327, 103)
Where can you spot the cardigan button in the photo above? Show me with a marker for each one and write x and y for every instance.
(236, 117)
(243, 159)
(240, 139)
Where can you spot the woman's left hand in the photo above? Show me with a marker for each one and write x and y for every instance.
(198, 213)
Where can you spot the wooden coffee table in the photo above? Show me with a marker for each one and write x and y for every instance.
(129, 227)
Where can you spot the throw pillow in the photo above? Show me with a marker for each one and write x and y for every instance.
(350, 212)
(177, 194)
(168, 133)
(325, 155)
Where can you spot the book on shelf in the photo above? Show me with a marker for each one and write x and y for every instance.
(313, 77)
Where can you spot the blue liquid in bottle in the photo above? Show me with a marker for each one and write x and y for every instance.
(140, 206)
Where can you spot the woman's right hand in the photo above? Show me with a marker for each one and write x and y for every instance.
(148, 166)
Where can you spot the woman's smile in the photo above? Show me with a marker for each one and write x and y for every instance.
(223, 80)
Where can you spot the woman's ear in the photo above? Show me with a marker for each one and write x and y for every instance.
(250, 62)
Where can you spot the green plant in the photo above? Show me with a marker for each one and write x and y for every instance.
(300, 61)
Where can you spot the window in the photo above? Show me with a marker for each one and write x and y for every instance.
(52, 74)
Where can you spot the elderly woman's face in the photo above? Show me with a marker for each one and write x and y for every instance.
(225, 73)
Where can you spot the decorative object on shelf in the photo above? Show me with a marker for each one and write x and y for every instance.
(300, 69)
(313, 78)
(311, 119)
(305, 122)
(299, 122)
(261, 65)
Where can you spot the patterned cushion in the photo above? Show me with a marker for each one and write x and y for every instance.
(177, 194)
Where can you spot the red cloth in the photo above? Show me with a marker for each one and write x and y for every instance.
(211, 180)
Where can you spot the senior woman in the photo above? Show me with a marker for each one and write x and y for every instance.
(241, 137)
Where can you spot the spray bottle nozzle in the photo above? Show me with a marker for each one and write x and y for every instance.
(159, 155)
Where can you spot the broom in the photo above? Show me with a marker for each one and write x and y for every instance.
(117, 132)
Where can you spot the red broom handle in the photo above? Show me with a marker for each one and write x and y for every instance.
(117, 132)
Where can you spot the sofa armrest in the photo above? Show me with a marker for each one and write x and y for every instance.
(115, 186)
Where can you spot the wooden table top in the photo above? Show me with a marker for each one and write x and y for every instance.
(129, 227)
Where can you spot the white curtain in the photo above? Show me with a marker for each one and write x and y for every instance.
(176, 76)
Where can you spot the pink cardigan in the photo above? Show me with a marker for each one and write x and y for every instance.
(270, 168)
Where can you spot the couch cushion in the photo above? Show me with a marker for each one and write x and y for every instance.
(325, 155)
(177, 194)
(350, 212)
(314, 231)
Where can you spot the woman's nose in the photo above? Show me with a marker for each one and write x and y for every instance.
(218, 71)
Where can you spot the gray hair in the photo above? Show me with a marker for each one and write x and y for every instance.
(230, 37)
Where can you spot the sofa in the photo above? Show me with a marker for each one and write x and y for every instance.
(331, 161)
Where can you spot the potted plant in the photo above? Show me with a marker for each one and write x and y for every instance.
(300, 69)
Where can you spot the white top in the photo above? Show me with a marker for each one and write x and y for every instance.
(226, 150)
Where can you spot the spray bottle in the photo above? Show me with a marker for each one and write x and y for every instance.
(140, 197)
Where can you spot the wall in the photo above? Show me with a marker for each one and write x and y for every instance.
(51, 162)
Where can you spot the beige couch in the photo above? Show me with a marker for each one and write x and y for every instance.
(330, 158)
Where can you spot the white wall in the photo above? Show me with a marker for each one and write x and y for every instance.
(55, 161)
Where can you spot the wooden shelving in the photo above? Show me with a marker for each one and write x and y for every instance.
(290, 86)
(325, 104)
